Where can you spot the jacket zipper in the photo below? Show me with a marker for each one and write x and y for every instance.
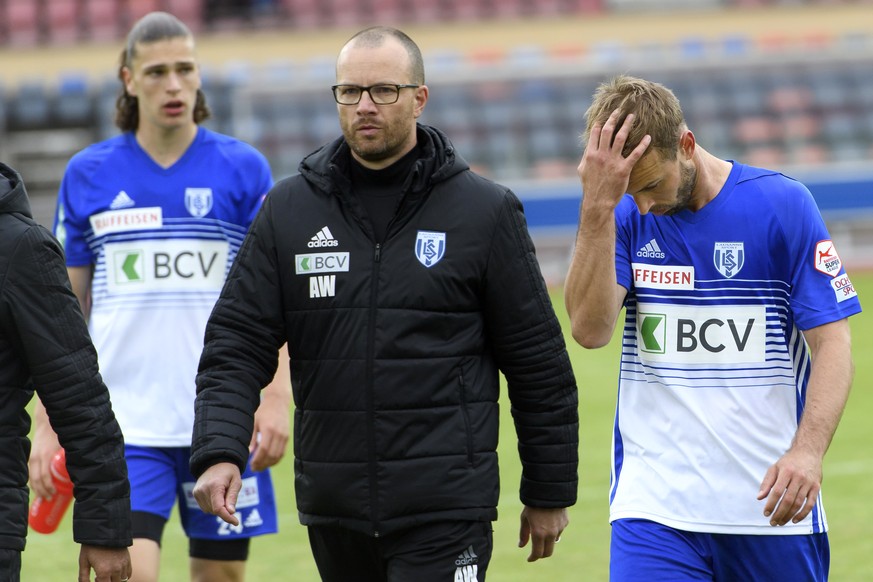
(371, 349)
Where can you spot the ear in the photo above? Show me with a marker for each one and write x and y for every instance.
(687, 144)
(421, 95)
(127, 78)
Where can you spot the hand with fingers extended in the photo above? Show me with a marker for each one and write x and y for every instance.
(604, 170)
(217, 489)
(791, 487)
(543, 528)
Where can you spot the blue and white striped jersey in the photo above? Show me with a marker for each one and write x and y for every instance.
(713, 367)
(161, 241)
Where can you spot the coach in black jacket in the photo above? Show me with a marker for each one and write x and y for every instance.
(403, 283)
(45, 346)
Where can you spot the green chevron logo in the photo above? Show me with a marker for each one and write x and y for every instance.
(128, 267)
(653, 332)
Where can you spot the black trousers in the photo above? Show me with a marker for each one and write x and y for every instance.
(10, 565)
(434, 552)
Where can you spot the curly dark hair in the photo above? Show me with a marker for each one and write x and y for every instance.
(150, 28)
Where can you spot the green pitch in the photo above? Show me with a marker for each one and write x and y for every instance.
(582, 555)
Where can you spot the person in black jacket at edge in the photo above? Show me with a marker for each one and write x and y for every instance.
(45, 347)
(403, 283)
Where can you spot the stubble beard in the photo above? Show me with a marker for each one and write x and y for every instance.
(686, 189)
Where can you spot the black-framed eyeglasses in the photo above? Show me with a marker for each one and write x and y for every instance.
(380, 94)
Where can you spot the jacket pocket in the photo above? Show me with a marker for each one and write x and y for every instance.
(465, 411)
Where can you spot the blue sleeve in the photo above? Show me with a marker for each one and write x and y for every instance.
(71, 223)
(623, 269)
(818, 294)
(263, 181)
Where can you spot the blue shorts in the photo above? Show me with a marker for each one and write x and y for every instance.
(160, 475)
(645, 551)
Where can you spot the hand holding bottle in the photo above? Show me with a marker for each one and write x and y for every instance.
(47, 512)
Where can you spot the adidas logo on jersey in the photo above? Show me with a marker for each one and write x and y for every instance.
(322, 238)
(254, 519)
(651, 250)
(122, 200)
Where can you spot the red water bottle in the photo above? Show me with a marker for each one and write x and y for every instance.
(46, 513)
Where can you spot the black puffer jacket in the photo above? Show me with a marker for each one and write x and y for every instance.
(44, 345)
(395, 348)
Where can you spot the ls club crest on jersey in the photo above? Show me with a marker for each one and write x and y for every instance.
(198, 201)
(430, 247)
(729, 258)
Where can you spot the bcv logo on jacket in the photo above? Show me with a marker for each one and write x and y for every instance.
(312, 263)
(430, 247)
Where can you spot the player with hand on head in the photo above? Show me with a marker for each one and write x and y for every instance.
(736, 362)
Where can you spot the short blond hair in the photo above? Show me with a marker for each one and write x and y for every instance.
(656, 110)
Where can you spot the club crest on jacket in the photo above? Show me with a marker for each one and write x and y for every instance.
(430, 247)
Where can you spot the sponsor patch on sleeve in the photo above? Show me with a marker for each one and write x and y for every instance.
(663, 276)
(826, 259)
(843, 288)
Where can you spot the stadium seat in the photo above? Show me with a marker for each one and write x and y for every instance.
(789, 98)
(764, 156)
(510, 8)
(829, 89)
(693, 48)
(800, 127)
(567, 51)
(303, 13)
(21, 18)
(102, 19)
(548, 7)
(462, 10)
(420, 12)
(736, 45)
(808, 154)
(29, 106)
(486, 56)
(136, 9)
(74, 106)
(62, 21)
(756, 130)
(840, 127)
(188, 11)
(342, 13)
(584, 6)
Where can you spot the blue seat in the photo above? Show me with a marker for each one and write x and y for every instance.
(74, 103)
(29, 107)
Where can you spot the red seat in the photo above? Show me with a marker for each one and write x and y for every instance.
(22, 22)
(62, 20)
(342, 12)
(102, 19)
(303, 13)
(136, 9)
(188, 11)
